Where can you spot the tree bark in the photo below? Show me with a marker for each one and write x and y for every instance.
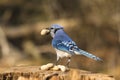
(34, 73)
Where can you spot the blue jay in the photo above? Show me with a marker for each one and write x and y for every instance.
(65, 46)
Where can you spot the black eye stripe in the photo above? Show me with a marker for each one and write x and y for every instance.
(57, 29)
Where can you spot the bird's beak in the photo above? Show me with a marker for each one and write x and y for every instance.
(48, 31)
(47, 28)
(45, 31)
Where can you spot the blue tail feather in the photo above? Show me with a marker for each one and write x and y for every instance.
(89, 55)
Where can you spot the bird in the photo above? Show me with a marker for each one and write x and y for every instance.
(65, 46)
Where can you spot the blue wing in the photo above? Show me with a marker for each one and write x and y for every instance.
(66, 46)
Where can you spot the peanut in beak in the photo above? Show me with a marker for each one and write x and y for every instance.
(45, 31)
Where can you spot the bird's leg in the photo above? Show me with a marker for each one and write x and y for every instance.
(58, 59)
(68, 61)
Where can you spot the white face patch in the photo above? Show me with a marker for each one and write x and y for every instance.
(45, 31)
(52, 33)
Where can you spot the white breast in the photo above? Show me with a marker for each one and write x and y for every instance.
(62, 54)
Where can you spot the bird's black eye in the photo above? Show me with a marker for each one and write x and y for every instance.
(51, 28)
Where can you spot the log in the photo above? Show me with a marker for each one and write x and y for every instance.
(34, 73)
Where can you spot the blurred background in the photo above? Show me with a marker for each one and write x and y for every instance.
(93, 24)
